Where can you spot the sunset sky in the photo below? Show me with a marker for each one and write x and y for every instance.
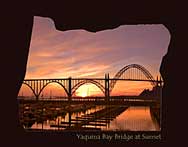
(78, 53)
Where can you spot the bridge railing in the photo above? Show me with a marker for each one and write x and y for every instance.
(88, 99)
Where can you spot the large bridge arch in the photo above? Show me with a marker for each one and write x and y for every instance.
(66, 91)
(96, 83)
(118, 75)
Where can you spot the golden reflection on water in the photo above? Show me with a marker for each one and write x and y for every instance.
(134, 119)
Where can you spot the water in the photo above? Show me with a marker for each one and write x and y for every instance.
(131, 119)
(59, 119)
(134, 119)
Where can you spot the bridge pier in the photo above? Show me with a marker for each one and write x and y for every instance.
(37, 97)
(107, 87)
(70, 90)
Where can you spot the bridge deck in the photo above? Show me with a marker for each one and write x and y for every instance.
(133, 102)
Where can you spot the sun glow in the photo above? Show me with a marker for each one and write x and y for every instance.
(83, 94)
(83, 91)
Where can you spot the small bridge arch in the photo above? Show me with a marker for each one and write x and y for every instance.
(82, 82)
(44, 86)
(37, 88)
(31, 88)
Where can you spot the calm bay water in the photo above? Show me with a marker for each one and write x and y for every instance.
(134, 119)
(131, 119)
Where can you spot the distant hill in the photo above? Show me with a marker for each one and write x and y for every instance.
(155, 92)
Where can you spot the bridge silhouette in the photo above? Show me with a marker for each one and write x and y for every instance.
(132, 72)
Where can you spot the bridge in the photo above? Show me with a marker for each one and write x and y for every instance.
(132, 72)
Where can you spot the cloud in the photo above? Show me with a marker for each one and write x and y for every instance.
(78, 53)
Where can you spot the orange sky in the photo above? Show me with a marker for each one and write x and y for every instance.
(78, 53)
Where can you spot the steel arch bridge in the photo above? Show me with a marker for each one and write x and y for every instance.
(132, 72)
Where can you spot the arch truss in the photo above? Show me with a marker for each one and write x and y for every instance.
(69, 85)
(133, 72)
(38, 85)
(98, 83)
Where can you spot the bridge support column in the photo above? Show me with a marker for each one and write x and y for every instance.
(37, 97)
(70, 90)
(107, 87)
